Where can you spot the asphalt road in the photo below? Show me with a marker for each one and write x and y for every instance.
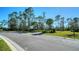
(31, 42)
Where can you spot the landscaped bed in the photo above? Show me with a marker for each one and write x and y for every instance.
(4, 46)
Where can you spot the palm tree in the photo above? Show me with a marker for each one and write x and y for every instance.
(49, 23)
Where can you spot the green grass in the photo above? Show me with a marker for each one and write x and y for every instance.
(64, 34)
(4, 46)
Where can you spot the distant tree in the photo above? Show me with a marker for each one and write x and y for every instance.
(12, 23)
(22, 21)
(2, 23)
(57, 19)
(49, 23)
(34, 24)
(44, 15)
(29, 14)
(69, 21)
(25, 19)
(62, 24)
(75, 23)
(40, 22)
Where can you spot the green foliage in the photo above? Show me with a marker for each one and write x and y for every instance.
(49, 31)
(12, 23)
(19, 21)
(4, 46)
(73, 24)
(65, 34)
(44, 31)
(24, 21)
(49, 22)
(34, 23)
(52, 31)
(40, 22)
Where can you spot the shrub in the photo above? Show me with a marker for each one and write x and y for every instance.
(49, 31)
(44, 31)
(75, 30)
(52, 31)
(1, 29)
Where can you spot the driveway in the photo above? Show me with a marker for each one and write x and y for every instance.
(31, 42)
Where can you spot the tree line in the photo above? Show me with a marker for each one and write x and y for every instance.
(26, 20)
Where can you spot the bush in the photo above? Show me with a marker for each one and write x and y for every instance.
(5, 29)
(44, 31)
(1, 29)
(52, 31)
(49, 31)
(75, 30)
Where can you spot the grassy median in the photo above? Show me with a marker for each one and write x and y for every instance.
(4, 46)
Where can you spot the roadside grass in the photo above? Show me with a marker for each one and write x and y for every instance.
(4, 46)
(64, 34)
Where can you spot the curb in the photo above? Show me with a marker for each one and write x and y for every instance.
(13, 46)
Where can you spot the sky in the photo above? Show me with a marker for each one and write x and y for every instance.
(51, 12)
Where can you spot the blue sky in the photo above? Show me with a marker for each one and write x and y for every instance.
(51, 12)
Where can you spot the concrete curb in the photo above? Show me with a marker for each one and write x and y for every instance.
(13, 46)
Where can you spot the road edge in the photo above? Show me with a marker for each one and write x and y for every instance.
(13, 46)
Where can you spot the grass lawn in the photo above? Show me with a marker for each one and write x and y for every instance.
(64, 34)
(4, 46)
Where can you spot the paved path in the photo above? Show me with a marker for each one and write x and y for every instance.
(42, 43)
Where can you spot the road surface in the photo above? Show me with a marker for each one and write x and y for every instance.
(31, 42)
